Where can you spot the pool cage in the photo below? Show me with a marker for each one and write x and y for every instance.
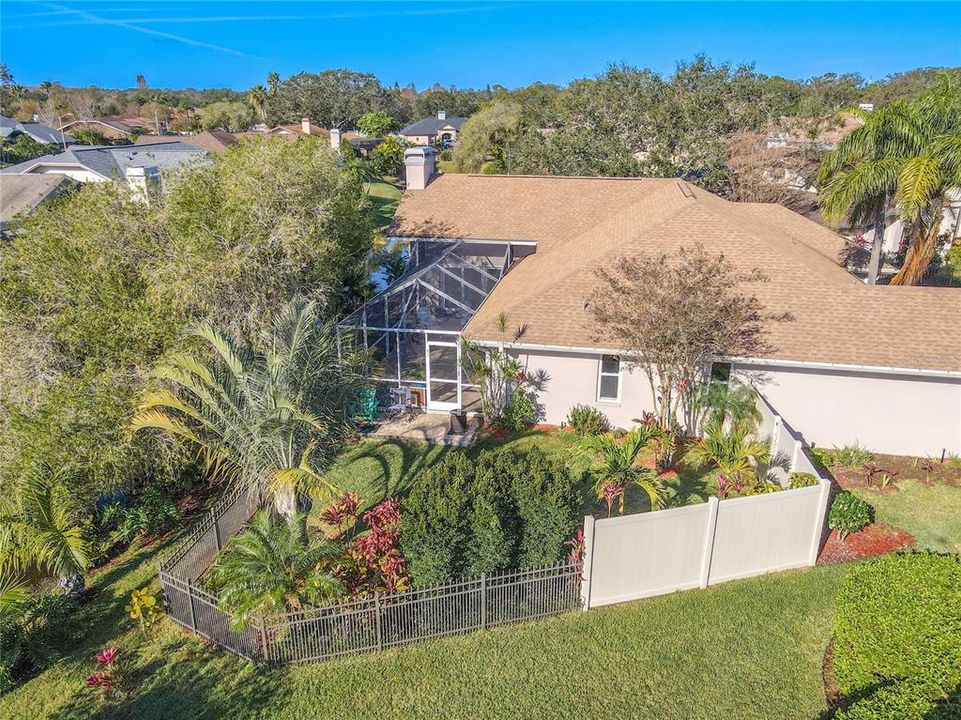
(411, 331)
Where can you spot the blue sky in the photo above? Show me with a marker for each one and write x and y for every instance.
(466, 44)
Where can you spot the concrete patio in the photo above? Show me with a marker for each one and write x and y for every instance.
(424, 427)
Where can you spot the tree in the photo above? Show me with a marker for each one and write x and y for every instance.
(230, 116)
(377, 124)
(387, 158)
(24, 148)
(141, 82)
(273, 567)
(41, 533)
(266, 419)
(616, 465)
(334, 98)
(671, 315)
(907, 153)
(782, 174)
(257, 97)
(485, 139)
(89, 136)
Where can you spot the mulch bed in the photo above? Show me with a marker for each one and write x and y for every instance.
(875, 539)
(896, 467)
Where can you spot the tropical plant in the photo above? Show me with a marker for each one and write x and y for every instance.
(906, 154)
(144, 608)
(616, 464)
(109, 675)
(267, 419)
(273, 567)
(848, 514)
(41, 533)
(586, 420)
(803, 479)
(37, 629)
(719, 402)
(735, 453)
(376, 124)
(149, 515)
(853, 456)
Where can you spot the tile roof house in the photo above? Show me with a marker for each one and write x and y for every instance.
(434, 130)
(10, 129)
(876, 364)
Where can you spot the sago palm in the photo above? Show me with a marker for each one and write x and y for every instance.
(616, 462)
(272, 567)
(735, 453)
(41, 534)
(269, 419)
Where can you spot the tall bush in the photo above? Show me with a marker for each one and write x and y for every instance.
(547, 502)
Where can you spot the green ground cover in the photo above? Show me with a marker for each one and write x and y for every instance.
(932, 513)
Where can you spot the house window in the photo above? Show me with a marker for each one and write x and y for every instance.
(721, 372)
(609, 379)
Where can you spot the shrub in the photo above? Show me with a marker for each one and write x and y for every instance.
(897, 637)
(435, 525)
(506, 510)
(585, 420)
(521, 412)
(848, 514)
(803, 479)
(144, 608)
(547, 501)
(853, 456)
(149, 515)
(34, 634)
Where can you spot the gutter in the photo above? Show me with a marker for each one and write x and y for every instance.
(499, 241)
(801, 364)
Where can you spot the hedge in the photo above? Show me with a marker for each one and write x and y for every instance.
(897, 636)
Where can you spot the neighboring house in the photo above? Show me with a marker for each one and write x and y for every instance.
(304, 128)
(111, 127)
(440, 130)
(212, 141)
(134, 164)
(874, 364)
(20, 194)
(10, 129)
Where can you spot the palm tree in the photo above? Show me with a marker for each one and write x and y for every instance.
(735, 453)
(41, 533)
(272, 567)
(736, 402)
(907, 153)
(926, 179)
(616, 464)
(858, 179)
(257, 97)
(265, 420)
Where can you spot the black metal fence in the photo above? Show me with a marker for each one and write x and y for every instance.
(355, 626)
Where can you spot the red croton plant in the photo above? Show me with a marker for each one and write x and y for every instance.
(373, 561)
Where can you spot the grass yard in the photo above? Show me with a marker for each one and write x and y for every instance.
(932, 513)
(384, 196)
(747, 650)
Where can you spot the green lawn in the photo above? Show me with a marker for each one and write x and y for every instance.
(745, 650)
(384, 196)
(932, 513)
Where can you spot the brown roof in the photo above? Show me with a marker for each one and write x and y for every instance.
(582, 223)
(297, 129)
(212, 141)
(22, 193)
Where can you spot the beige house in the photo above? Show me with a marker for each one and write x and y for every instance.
(439, 130)
(855, 363)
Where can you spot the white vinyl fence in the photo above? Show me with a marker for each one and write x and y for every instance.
(653, 553)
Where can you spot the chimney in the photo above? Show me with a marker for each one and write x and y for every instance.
(441, 114)
(335, 138)
(305, 126)
(419, 167)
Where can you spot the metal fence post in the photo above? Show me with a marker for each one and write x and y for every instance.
(483, 589)
(190, 604)
(587, 569)
(380, 635)
(712, 505)
(213, 516)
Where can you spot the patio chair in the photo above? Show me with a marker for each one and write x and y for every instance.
(399, 400)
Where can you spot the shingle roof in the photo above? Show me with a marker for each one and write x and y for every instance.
(41, 133)
(211, 140)
(432, 125)
(580, 224)
(111, 161)
(22, 193)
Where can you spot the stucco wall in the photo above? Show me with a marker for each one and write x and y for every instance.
(896, 414)
(573, 381)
